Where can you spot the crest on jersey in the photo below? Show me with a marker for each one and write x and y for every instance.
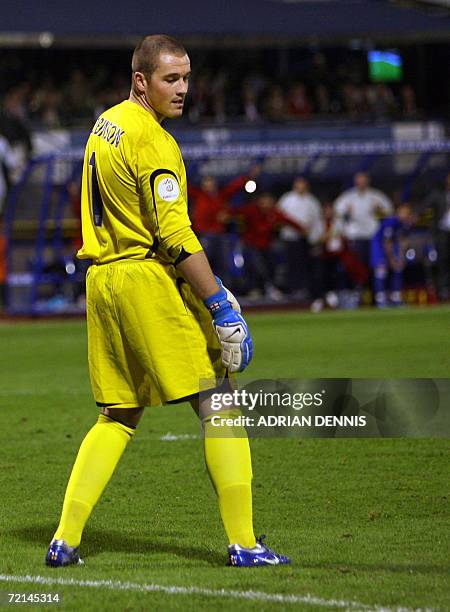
(168, 189)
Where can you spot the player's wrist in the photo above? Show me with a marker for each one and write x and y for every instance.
(218, 304)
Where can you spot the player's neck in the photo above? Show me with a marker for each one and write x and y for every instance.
(142, 101)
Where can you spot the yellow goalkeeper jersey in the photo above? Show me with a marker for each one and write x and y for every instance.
(134, 191)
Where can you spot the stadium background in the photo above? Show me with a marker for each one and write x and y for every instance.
(60, 69)
(365, 520)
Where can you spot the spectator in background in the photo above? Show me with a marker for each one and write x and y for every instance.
(219, 106)
(14, 120)
(257, 80)
(275, 108)
(46, 106)
(200, 99)
(261, 219)
(354, 101)
(408, 103)
(249, 103)
(322, 101)
(298, 104)
(334, 267)
(50, 110)
(439, 203)
(218, 97)
(318, 71)
(333, 275)
(300, 206)
(359, 210)
(209, 214)
(78, 102)
(381, 101)
(8, 162)
(342, 265)
(387, 256)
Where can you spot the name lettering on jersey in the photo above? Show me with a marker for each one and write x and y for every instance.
(108, 131)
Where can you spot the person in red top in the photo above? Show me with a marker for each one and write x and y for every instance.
(209, 213)
(299, 105)
(209, 204)
(261, 219)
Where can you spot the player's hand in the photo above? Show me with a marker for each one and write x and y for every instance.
(231, 329)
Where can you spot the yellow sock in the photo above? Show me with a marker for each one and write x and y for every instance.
(229, 464)
(96, 461)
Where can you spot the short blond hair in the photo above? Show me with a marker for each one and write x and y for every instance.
(147, 52)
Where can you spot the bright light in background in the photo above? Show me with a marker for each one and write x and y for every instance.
(46, 39)
(250, 186)
(238, 260)
(432, 255)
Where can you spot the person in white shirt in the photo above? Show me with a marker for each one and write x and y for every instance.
(359, 210)
(304, 208)
(7, 163)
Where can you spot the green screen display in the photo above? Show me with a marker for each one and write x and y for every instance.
(385, 66)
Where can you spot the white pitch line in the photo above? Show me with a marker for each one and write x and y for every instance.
(117, 585)
(170, 437)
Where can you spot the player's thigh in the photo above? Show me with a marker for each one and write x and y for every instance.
(377, 255)
(169, 332)
(115, 373)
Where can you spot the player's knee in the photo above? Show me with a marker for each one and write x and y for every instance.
(208, 402)
(127, 416)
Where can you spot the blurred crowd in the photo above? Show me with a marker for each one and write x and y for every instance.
(51, 97)
(259, 98)
(282, 246)
(357, 248)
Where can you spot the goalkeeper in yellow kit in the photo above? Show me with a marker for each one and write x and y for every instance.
(158, 320)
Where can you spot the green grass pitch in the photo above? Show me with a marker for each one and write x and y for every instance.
(366, 522)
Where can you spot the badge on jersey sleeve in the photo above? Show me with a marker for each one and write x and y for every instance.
(167, 187)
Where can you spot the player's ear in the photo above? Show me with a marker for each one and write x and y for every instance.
(140, 82)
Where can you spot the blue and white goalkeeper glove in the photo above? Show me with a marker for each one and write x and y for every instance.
(231, 329)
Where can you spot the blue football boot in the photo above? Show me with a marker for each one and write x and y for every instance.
(60, 554)
(259, 555)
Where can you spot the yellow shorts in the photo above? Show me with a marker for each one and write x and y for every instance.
(150, 340)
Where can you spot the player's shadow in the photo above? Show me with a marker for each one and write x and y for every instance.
(97, 541)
